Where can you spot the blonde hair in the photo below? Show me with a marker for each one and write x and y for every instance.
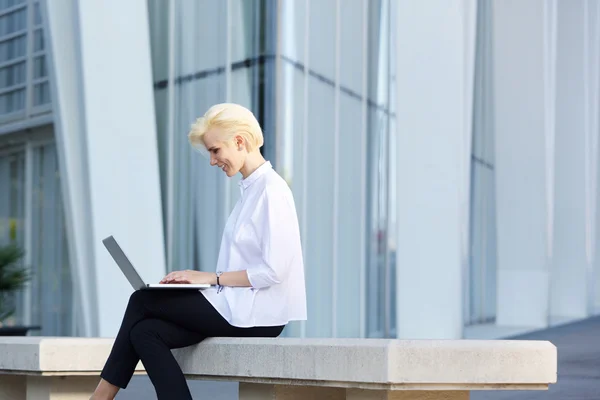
(233, 119)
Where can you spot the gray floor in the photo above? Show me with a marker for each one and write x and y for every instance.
(141, 388)
(578, 364)
(578, 371)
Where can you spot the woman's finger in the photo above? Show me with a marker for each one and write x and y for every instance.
(168, 278)
(177, 277)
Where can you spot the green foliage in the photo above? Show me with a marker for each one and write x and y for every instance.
(13, 276)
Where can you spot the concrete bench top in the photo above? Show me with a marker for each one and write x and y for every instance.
(379, 364)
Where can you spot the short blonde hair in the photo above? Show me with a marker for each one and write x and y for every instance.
(233, 119)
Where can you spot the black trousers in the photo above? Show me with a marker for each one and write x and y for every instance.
(157, 321)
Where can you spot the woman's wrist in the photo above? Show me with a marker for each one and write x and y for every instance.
(230, 278)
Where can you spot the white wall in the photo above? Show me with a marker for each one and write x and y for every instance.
(546, 113)
(572, 259)
(108, 147)
(435, 67)
(524, 133)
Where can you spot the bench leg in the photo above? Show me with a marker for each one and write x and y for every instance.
(60, 387)
(359, 394)
(258, 391)
(12, 387)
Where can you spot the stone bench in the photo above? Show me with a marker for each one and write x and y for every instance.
(35, 368)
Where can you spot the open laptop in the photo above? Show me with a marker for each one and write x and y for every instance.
(132, 275)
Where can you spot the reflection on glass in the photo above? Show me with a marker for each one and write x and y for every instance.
(12, 102)
(12, 75)
(37, 15)
(41, 94)
(13, 22)
(4, 4)
(12, 226)
(310, 89)
(13, 48)
(51, 286)
(38, 40)
(199, 81)
(344, 216)
(39, 67)
(481, 307)
(380, 255)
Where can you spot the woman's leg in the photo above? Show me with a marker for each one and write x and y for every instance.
(153, 340)
(187, 310)
(123, 359)
(105, 391)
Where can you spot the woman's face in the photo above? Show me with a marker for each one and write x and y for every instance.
(226, 155)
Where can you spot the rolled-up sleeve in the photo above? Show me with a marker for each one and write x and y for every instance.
(276, 224)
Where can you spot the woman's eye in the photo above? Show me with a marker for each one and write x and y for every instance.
(216, 151)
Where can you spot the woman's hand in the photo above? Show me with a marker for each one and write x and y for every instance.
(189, 276)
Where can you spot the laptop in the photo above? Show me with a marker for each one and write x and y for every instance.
(132, 275)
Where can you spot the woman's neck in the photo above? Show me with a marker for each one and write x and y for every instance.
(253, 161)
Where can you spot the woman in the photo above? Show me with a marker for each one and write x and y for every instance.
(259, 282)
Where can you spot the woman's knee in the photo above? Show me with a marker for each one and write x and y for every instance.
(138, 297)
(142, 332)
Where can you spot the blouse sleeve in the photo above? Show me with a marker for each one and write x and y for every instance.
(276, 224)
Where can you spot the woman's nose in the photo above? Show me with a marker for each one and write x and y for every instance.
(213, 161)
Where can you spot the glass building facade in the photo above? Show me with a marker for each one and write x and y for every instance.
(321, 77)
(24, 88)
(31, 206)
(481, 278)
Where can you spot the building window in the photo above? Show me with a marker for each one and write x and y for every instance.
(31, 216)
(24, 89)
(481, 301)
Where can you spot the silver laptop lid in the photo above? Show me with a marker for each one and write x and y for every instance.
(123, 262)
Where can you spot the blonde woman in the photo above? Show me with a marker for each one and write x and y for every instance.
(259, 280)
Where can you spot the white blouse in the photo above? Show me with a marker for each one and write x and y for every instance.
(262, 236)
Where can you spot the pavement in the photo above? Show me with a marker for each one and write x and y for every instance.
(140, 388)
(578, 371)
(578, 364)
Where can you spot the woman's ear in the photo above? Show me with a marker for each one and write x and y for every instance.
(239, 142)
